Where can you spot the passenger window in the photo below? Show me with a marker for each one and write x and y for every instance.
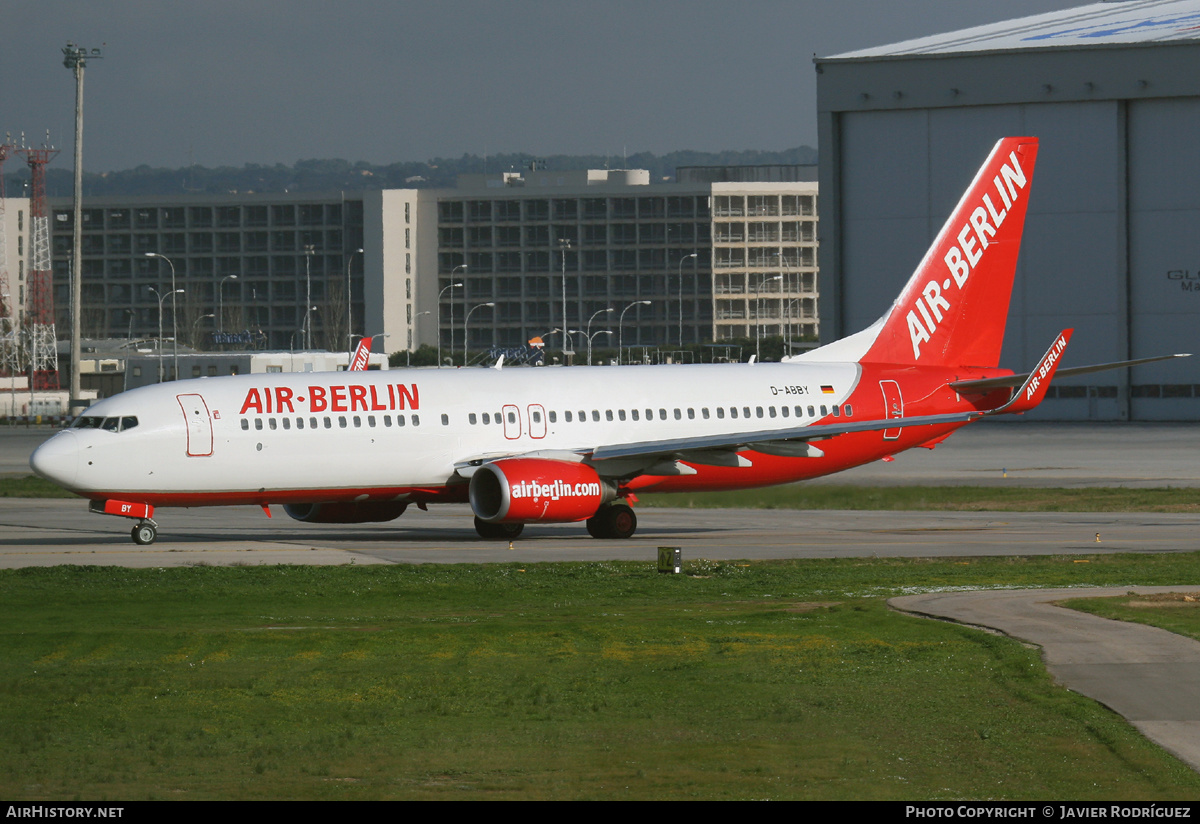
(662, 414)
(771, 411)
(733, 411)
(299, 423)
(357, 422)
(245, 424)
(271, 423)
(471, 419)
(758, 411)
(849, 410)
(342, 421)
(399, 420)
(783, 410)
(258, 423)
(312, 423)
(824, 411)
(596, 415)
(837, 411)
(746, 411)
(553, 416)
(608, 414)
(445, 419)
(387, 420)
(487, 418)
(720, 413)
(811, 412)
(512, 417)
(691, 414)
(567, 415)
(537, 416)
(678, 414)
(287, 423)
(328, 423)
(416, 420)
(634, 414)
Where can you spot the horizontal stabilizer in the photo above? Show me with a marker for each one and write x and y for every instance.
(985, 385)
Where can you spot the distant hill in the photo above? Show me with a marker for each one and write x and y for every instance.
(335, 175)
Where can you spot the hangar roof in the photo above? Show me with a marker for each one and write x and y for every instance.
(1122, 21)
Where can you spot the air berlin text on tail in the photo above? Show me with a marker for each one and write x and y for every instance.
(974, 236)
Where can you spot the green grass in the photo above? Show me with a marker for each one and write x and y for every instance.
(31, 486)
(940, 498)
(573, 680)
(1169, 611)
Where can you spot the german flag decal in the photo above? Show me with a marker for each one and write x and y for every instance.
(826, 389)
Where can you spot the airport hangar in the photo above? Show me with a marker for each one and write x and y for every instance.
(1111, 244)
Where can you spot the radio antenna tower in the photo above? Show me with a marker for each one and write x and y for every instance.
(8, 311)
(43, 352)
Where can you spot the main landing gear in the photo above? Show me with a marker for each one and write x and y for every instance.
(613, 521)
(497, 532)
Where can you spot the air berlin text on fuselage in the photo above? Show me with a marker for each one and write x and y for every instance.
(962, 257)
(280, 400)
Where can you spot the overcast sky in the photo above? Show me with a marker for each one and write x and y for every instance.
(228, 82)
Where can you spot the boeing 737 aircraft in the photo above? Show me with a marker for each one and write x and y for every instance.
(532, 445)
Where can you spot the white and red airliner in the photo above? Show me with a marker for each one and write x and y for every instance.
(531, 445)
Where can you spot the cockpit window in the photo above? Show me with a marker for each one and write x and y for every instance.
(117, 424)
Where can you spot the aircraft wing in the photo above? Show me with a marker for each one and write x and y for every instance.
(769, 437)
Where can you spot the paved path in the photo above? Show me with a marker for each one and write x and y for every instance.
(1148, 675)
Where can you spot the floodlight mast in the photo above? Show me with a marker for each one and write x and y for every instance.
(75, 58)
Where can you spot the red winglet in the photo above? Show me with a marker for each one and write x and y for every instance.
(1034, 389)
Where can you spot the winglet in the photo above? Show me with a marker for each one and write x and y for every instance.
(1034, 389)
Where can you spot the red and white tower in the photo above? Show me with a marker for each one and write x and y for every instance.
(39, 316)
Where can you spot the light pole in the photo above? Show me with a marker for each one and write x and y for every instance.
(589, 331)
(681, 260)
(564, 244)
(75, 58)
(309, 249)
(589, 340)
(621, 326)
(349, 310)
(174, 292)
(221, 302)
(161, 298)
(465, 320)
(439, 316)
(195, 327)
(758, 313)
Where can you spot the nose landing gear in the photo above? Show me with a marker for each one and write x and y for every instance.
(146, 530)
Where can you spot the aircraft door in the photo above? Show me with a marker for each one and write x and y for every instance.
(199, 425)
(512, 422)
(893, 407)
(537, 421)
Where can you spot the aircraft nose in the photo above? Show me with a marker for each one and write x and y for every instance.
(57, 459)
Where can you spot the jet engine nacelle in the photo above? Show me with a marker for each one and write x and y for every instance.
(347, 512)
(522, 490)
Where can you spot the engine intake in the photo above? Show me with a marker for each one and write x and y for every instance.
(522, 490)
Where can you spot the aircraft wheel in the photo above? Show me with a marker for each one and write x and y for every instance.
(614, 521)
(498, 532)
(144, 534)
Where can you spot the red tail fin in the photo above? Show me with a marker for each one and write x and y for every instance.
(954, 308)
(362, 355)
